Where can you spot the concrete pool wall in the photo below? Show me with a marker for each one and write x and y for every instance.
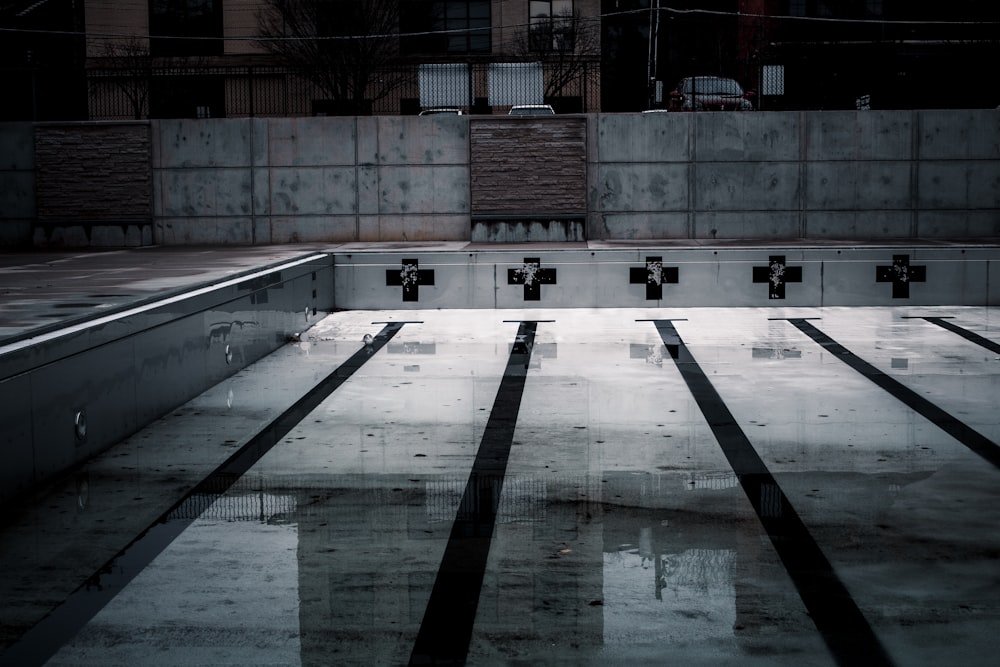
(839, 175)
(665, 276)
(71, 390)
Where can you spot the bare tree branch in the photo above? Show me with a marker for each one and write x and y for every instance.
(132, 67)
(567, 45)
(341, 46)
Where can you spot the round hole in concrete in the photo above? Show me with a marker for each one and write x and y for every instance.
(80, 425)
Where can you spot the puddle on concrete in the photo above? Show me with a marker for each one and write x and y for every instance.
(621, 533)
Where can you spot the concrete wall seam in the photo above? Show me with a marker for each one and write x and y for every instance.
(861, 175)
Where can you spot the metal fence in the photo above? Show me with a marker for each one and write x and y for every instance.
(263, 91)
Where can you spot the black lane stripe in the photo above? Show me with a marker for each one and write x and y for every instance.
(943, 322)
(446, 629)
(45, 638)
(974, 440)
(848, 636)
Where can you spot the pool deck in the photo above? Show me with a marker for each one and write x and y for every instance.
(711, 486)
(43, 289)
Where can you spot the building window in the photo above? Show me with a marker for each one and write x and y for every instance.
(797, 7)
(551, 25)
(445, 27)
(827, 8)
(173, 19)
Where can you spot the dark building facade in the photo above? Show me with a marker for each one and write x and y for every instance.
(42, 57)
(94, 60)
(891, 54)
(77, 59)
(805, 54)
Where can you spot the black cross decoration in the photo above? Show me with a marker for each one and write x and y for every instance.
(776, 274)
(410, 277)
(900, 274)
(532, 276)
(653, 276)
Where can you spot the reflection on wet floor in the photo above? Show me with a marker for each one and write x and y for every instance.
(719, 489)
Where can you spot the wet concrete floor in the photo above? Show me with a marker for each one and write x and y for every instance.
(650, 486)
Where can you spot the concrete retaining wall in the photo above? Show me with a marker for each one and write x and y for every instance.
(769, 176)
(784, 175)
(17, 183)
(311, 179)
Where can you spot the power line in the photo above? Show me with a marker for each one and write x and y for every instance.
(459, 31)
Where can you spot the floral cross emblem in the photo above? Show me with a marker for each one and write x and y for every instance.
(654, 275)
(901, 274)
(410, 277)
(532, 276)
(777, 274)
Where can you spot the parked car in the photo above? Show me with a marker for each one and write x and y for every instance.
(442, 111)
(710, 93)
(531, 110)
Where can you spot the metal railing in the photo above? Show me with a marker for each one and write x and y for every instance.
(275, 91)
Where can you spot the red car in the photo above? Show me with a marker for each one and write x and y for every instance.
(710, 93)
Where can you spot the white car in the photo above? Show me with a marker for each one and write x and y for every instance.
(531, 110)
(442, 112)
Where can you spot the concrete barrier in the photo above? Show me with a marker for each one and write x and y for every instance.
(813, 175)
(311, 179)
(839, 175)
(17, 183)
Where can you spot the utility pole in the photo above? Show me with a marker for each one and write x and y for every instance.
(653, 53)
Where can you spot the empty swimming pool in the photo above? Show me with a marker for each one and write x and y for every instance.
(772, 486)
